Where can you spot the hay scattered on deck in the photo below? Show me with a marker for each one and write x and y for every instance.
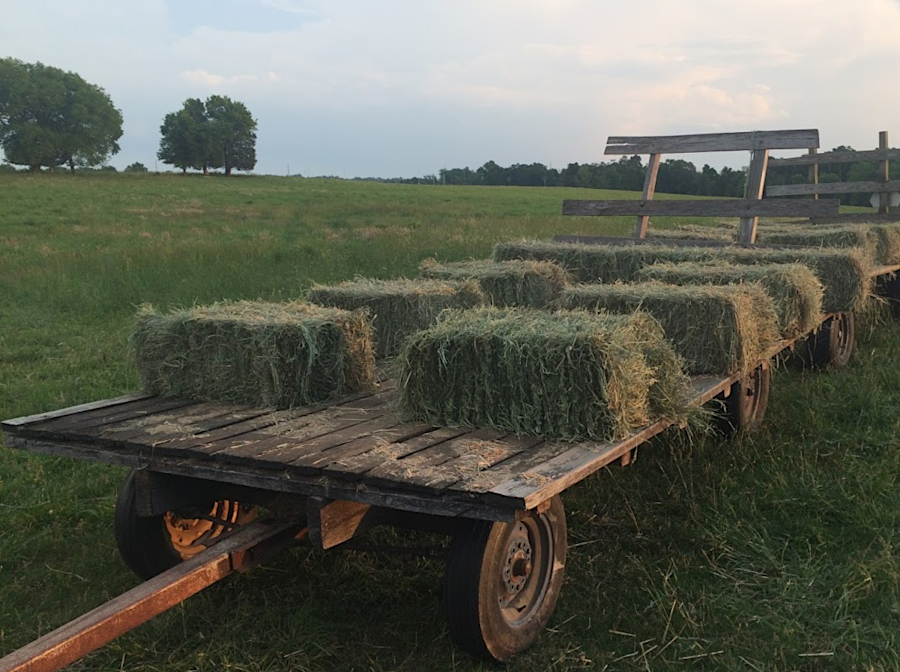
(716, 329)
(845, 273)
(262, 354)
(568, 375)
(794, 289)
(398, 308)
(517, 283)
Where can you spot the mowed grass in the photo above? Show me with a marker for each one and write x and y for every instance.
(778, 551)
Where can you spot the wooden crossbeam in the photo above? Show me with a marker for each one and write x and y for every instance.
(703, 208)
(837, 157)
(713, 142)
(833, 188)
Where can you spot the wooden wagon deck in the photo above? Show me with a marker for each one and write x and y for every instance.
(355, 449)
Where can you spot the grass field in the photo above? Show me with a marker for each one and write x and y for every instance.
(779, 551)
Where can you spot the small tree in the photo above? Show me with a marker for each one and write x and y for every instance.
(51, 118)
(215, 134)
(136, 167)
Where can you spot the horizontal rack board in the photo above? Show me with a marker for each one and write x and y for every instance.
(355, 449)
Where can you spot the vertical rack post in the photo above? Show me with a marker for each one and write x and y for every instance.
(640, 231)
(813, 174)
(756, 183)
(884, 174)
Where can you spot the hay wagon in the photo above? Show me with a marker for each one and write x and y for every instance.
(188, 514)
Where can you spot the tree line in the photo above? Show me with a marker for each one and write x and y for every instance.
(51, 118)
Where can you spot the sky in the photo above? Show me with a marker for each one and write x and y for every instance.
(402, 88)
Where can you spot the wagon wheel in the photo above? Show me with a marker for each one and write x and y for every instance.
(744, 409)
(832, 345)
(152, 544)
(503, 581)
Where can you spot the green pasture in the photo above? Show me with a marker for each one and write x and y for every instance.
(779, 551)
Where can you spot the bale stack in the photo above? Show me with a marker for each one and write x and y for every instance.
(860, 236)
(522, 283)
(559, 375)
(793, 288)
(719, 330)
(845, 274)
(398, 307)
(262, 354)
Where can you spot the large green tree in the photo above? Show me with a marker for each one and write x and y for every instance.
(49, 117)
(220, 133)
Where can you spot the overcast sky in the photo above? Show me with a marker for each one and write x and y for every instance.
(404, 88)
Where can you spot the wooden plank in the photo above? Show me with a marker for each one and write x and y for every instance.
(335, 456)
(833, 188)
(355, 467)
(508, 468)
(72, 410)
(649, 189)
(81, 423)
(884, 174)
(448, 505)
(331, 523)
(96, 628)
(530, 488)
(756, 182)
(812, 175)
(837, 157)
(857, 217)
(713, 142)
(725, 207)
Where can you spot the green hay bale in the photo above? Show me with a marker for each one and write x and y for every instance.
(558, 375)
(887, 245)
(716, 329)
(845, 274)
(398, 307)
(527, 284)
(818, 236)
(262, 354)
(793, 288)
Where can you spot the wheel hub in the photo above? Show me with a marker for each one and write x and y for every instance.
(517, 568)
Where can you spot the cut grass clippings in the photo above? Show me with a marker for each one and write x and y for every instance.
(262, 354)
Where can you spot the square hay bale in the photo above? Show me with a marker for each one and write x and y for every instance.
(860, 236)
(722, 234)
(845, 274)
(887, 245)
(793, 288)
(566, 375)
(398, 307)
(520, 282)
(716, 329)
(278, 355)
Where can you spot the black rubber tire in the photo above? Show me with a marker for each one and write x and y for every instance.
(831, 347)
(150, 545)
(143, 541)
(476, 579)
(744, 409)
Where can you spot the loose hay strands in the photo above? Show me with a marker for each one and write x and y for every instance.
(793, 288)
(568, 375)
(263, 354)
(845, 274)
(398, 307)
(726, 233)
(716, 329)
(522, 283)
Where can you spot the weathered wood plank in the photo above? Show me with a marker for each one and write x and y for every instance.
(833, 188)
(393, 432)
(730, 207)
(72, 410)
(331, 523)
(278, 481)
(712, 142)
(837, 157)
(756, 182)
(82, 422)
(528, 489)
(354, 468)
(643, 220)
